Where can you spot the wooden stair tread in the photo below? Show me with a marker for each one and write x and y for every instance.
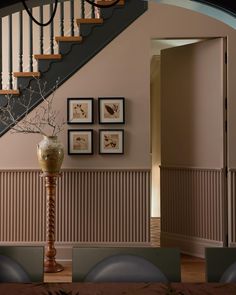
(89, 21)
(68, 38)
(47, 56)
(26, 74)
(10, 91)
(104, 2)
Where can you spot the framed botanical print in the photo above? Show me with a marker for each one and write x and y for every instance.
(111, 141)
(80, 141)
(111, 110)
(80, 110)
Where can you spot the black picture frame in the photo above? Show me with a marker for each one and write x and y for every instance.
(80, 110)
(115, 146)
(82, 148)
(111, 110)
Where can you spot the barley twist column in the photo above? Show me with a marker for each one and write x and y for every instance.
(50, 264)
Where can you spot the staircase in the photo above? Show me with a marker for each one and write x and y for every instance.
(67, 53)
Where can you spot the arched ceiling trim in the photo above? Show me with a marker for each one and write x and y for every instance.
(223, 14)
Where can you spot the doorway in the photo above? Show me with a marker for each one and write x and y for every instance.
(187, 155)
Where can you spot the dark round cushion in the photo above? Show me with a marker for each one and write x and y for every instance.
(125, 268)
(11, 271)
(229, 275)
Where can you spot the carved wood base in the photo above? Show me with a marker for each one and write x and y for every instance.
(50, 264)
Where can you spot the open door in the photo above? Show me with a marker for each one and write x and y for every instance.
(193, 146)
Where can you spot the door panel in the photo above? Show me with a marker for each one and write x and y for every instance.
(192, 105)
(193, 182)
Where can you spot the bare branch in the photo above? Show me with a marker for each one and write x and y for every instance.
(45, 118)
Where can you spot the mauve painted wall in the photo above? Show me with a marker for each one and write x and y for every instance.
(192, 104)
(123, 69)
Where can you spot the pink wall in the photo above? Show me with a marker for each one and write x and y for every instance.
(192, 105)
(123, 69)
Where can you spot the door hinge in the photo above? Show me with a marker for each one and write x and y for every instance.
(226, 58)
(226, 128)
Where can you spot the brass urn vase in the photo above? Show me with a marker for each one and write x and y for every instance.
(50, 154)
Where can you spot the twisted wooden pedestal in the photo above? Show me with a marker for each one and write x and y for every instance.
(50, 264)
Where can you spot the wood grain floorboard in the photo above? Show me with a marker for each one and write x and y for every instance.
(192, 268)
(64, 276)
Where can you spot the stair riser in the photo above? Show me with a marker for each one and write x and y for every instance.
(44, 65)
(106, 13)
(65, 47)
(25, 82)
(86, 29)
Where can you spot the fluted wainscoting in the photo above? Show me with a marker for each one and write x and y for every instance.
(99, 206)
(192, 208)
(232, 207)
(22, 206)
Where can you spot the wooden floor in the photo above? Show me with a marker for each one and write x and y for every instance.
(192, 268)
(192, 271)
(63, 276)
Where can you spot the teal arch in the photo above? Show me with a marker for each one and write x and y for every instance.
(211, 11)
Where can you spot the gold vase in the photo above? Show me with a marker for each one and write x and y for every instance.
(50, 154)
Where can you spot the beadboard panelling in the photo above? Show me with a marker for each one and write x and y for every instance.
(192, 202)
(22, 206)
(92, 206)
(232, 207)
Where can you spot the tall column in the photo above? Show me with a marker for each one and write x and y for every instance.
(50, 264)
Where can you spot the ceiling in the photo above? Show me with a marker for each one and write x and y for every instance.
(229, 5)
